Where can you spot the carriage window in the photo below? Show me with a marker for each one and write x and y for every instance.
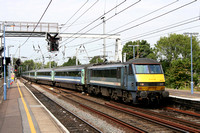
(69, 73)
(32, 73)
(43, 73)
(112, 73)
(141, 69)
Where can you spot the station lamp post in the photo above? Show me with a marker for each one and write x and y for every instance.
(4, 58)
(191, 34)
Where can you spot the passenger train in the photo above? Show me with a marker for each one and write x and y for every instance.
(136, 81)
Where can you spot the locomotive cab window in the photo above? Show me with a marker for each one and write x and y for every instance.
(155, 69)
(147, 69)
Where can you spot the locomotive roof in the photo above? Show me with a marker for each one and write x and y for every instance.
(142, 61)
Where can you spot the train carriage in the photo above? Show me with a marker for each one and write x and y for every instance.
(45, 76)
(30, 75)
(72, 77)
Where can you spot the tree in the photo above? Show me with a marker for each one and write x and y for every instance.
(179, 74)
(142, 51)
(52, 65)
(27, 65)
(176, 46)
(71, 62)
(37, 65)
(96, 59)
(174, 52)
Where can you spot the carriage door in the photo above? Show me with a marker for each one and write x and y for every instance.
(125, 76)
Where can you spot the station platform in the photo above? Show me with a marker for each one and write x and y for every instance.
(184, 94)
(22, 113)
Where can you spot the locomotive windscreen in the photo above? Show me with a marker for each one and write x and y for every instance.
(148, 69)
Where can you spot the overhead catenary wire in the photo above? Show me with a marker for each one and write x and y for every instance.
(35, 26)
(145, 15)
(175, 25)
(82, 14)
(132, 21)
(75, 13)
(105, 20)
(188, 21)
(95, 20)
(149, 20)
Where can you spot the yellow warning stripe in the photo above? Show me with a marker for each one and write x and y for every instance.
(27, 112)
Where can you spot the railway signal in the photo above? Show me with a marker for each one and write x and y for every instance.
(18, 62)
(53, 42)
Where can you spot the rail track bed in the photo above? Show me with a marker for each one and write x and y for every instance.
(72, 122)
(128, 118)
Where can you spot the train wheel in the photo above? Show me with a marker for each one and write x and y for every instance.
(114, 96)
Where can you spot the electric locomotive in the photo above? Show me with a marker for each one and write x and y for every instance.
(135, 81)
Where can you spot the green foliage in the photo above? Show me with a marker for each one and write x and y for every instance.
(142, 51)
(27, 65)
(174, 52)
(179, 74)
(71, 62)
(176, 46)
(52, 65)
(96, 59)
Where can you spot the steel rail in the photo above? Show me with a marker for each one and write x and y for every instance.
(188, 123)
(173, 124)
(184, 112)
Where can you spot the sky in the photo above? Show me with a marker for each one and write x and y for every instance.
(144, 20)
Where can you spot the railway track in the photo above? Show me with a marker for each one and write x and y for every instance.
(181, 126)
(169, 123)
(71, 121)
(65, 94)
(166, 117)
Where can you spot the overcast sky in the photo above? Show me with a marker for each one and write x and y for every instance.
(142, 25)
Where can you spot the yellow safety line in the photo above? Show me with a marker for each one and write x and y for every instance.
(27, 112)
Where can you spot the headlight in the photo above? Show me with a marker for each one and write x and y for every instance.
(161, 84)
(141, 84)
